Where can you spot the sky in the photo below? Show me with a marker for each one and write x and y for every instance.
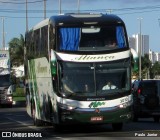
(14, 13)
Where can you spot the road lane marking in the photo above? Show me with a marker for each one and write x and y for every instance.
(22, 123)
(32, 127)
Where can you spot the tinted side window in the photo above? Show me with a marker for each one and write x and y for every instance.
(136, 85)
(149, 88)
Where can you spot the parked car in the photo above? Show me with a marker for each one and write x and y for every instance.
(146, 99)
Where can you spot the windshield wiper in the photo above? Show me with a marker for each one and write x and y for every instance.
(69, 94)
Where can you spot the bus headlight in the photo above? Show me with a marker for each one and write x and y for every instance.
(66, 107)
(126, 104)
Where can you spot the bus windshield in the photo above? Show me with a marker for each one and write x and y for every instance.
(5, 80)
(91, 38)
(90, 79)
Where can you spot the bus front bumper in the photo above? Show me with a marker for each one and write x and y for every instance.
(5, 99)
(96, 115)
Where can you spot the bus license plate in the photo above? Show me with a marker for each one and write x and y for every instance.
(99, 118)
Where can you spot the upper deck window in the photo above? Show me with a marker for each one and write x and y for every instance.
(91, 38)
(69, 39)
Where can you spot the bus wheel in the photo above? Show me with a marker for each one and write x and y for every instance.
(9, 105)
(57, 128)
(117, 126)
(36, 121)
(33, 112)
(135, 118)
(156, 119)
(51, 114)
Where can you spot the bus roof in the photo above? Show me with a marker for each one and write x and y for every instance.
(82, 19)
(41, 24)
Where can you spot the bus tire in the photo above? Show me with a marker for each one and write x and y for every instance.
(156, 119)
(117, 126)
(36, 121)
(51, 113)
(57, 127)
(9, 106)
(135, 119)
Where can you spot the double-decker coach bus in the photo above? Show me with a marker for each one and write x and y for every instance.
(69, 60)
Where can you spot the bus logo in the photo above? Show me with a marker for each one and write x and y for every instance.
(96, 104)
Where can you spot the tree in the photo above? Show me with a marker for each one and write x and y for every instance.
(146, 65)
(155, 69)
(16, 48)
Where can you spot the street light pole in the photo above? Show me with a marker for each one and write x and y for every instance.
(59, 6)
(78, 5)
(140, 48)
(44, 9)
(3, 34)
(26, 16)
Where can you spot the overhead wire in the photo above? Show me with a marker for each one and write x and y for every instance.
(120, 11)
(50, 11)
(11, 2)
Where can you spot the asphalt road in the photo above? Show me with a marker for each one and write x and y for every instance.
(16, 122)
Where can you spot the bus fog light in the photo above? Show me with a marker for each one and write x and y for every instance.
(129, 115)
(121, 106)
(126, 104)
(126, 116)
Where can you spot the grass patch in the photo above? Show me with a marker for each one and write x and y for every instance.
(19, 92)
(18, 95)
(16, 98)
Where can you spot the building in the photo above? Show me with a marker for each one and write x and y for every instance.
(157, 56)
(6, 48)
(154, 56)
(134, 42)
(151, 56)
(145, 44)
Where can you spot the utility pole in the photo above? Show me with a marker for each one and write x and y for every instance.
(78, 6)
(140, 48)
(26, 16)
(44, 9)
(59, 6)
(3, 34)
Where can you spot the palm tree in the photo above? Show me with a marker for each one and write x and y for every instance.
(155, 69)
(16, 48)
